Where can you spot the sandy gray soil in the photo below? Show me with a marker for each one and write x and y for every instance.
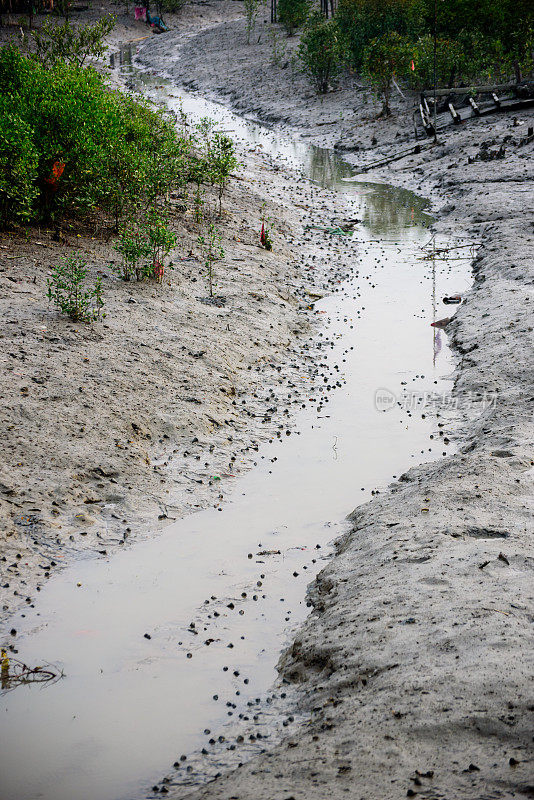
(414, 665)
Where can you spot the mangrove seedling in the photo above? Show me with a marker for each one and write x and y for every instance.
(252, 8)
(265, 235)
(135, 248)
(221, 161)
(211, 249)
(68, 292)
(161, 241)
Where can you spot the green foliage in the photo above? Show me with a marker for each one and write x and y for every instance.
(135, 248)
(144, 244)
(478, 40)
(73, 45)
(18, 166)
(292, 14)
(116, 153)
(448, 58)
(361, 21)
(161, 241)
(479, 22)
(221, 162)
(266, 223)
(67, 290)
(252, 8)
(210, 246)
(212, 164)
(278, 46)
(321, 51)
(384, 58)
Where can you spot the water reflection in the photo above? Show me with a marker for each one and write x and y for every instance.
(325, 166)
(390, 209)
(122, 58)
(387, 210)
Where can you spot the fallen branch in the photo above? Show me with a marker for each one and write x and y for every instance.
(413, 151)
(15, 673)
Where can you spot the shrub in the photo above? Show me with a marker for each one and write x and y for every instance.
(385, 58)
(18, 166)
(66, 289)
(508, 24)
(278, 46)
(73, 45)
(144, 244)
(95, 147)
(161, 241)
(292, 14)
(321, 51)
(212, 164)
(492, 34)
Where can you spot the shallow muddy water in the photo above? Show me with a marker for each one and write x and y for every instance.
(130, 706)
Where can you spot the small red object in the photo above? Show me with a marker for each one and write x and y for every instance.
(262, 235)
(57, 172)
(441, 323)
(412, 65)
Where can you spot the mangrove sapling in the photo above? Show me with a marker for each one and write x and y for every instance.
(211, 249)
(205, 130)
(199, 203)
(321, 50)
(167, 162)
(200, 164)
(197, 174)
(221, 162)
(135, 248)
(252, 8)
(278, 46)
(161, 241)
(385, 57)
(67, 290)
(265, 235)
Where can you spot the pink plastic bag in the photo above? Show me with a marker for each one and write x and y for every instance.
(140, 13)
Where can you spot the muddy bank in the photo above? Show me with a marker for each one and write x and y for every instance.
(415, 661)
(111, 431)
(263, 79)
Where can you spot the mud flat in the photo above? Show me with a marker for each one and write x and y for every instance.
(103, 425)
(416, 658)
(413, 665)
